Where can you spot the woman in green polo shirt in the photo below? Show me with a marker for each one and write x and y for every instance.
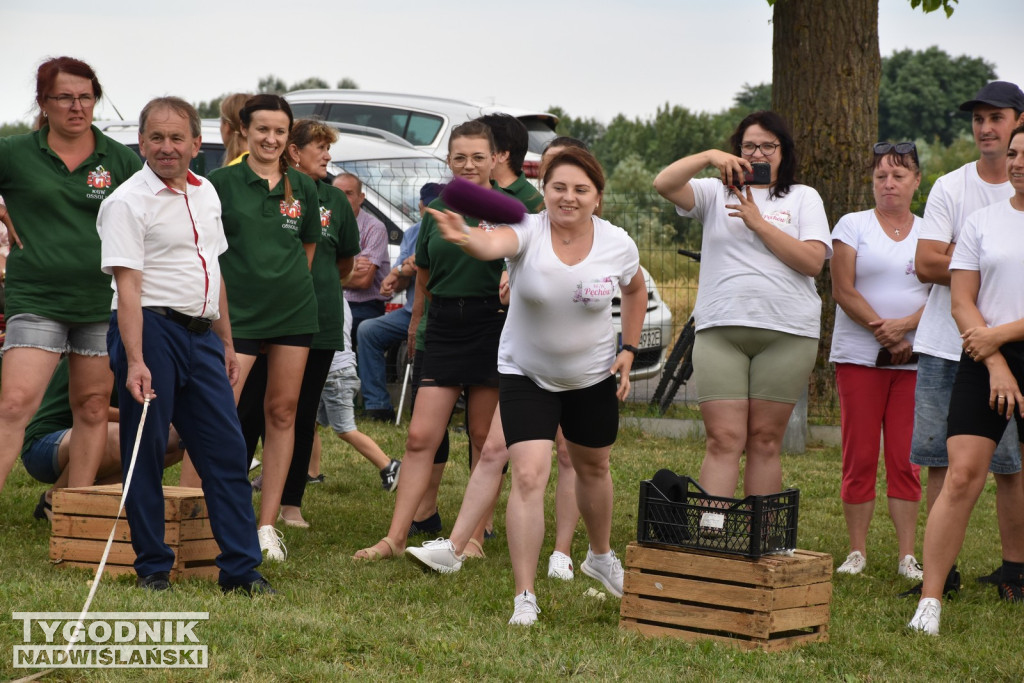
(57, 298)
(272, 224)
(464, 324)
(309, 151)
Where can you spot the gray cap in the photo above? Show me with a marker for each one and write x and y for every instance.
(998, 94)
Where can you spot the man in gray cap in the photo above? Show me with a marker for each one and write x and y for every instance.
(995, 111)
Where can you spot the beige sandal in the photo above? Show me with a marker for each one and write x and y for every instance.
(371, 554)
(478, 553)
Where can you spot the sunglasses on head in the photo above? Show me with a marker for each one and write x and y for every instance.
(899, 148)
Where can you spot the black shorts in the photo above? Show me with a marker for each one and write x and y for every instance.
(462, 342)
(589, 416)
(969, 412)
(253, 347)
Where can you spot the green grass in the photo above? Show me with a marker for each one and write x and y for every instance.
(337, 619)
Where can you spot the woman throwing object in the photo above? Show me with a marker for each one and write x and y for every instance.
(758, 313)
(558, 358)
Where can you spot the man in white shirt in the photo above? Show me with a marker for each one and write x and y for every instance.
(995, 111)
(170, 343)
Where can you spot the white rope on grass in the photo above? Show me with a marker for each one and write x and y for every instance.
(80, 624)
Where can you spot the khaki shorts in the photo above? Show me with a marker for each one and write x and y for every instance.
(739, 363)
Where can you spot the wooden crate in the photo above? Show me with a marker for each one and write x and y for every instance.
(82, 519)
(773, 603)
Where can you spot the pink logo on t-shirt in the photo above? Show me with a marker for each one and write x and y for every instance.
(99, 179)
(293, 210)
(325, 217)
(783, 217)
(598, 289)
(910, 268)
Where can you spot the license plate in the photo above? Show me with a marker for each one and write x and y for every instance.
(650, 338)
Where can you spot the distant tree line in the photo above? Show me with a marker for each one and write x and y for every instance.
(273, 84)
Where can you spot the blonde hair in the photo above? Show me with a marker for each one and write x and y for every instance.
(229, 108)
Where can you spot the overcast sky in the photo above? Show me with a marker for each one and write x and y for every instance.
(594, 59)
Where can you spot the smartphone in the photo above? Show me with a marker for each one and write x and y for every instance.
(761, 175)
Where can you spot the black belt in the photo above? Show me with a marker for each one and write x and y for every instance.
(192, 324)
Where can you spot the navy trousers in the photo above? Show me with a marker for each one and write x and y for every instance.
(193, 393)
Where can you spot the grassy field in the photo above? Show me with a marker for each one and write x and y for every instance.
(335, 618)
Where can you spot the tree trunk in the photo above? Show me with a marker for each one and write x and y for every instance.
(826, 69)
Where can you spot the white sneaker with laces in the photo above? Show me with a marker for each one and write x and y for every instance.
(926, 618)
(526, 610)
(560, 567)
(911, 568)
(608, 571)
(438, 555)
(854, 564)
(272, 543)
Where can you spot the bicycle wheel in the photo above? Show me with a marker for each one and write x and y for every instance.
(684, 368)
(672, 363)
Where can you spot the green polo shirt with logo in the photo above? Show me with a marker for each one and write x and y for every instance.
(339, 238)
(57, 274)
(523, 190)
(269, 284)
(453, 272)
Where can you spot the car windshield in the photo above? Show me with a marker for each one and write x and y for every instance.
(398, 181)
(540, 133)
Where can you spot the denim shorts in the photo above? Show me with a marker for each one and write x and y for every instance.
(337, 401)
(34, 331)
(40, 459)
(935, 377)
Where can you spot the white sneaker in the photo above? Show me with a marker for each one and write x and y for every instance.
(854, 564)
(560, 567)
(272, 542)
(526, 610)
(911, 568)
(438, 555)
(926, 618)
(608, 572)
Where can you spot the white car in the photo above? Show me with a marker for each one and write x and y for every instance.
(424, 121)
(655, 336)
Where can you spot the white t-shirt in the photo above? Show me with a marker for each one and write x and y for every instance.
(884, 276)
(347, 358)
(953, 198)
(741, 281)
(992, 241)
(559, 329)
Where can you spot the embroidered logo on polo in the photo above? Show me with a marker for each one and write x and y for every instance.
(292, 210)
(592, 291)
(325, 217)
(100, 182)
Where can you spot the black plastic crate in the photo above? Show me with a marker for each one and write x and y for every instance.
(752, 526)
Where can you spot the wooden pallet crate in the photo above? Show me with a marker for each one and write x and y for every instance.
(82, 518)
(773, 603)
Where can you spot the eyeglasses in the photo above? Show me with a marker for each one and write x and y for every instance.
(767, 148)
(68, 101)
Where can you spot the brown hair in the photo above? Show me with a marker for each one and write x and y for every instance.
(178, 106)
(46, 76)
(583, 160)
(306, 131)
(230, 106)
(269, 102)
(473, 129)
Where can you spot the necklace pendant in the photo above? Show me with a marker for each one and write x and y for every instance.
(897, 232)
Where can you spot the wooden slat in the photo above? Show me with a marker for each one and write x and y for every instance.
(103, 501)
(84, 550)
(798, 617)
(697, 590)
(98, 528)
(820, 634)
(803, 567)
(754, 624)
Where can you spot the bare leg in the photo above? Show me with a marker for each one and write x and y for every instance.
(428, 503)
(904, 518)
(482, 489)
(1010, 513)
(725, 423)
(429, 420)
(567, 514)
(594, 493)
(26, 372)
(285, 365)
(933, 485)
(89, 390)
(524, 517)
(969, 458)
(858, 519)
(367, 447)
(766, 426)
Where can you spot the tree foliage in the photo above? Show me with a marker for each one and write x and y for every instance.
(921, 92)
(347, 84)
(15, 128)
